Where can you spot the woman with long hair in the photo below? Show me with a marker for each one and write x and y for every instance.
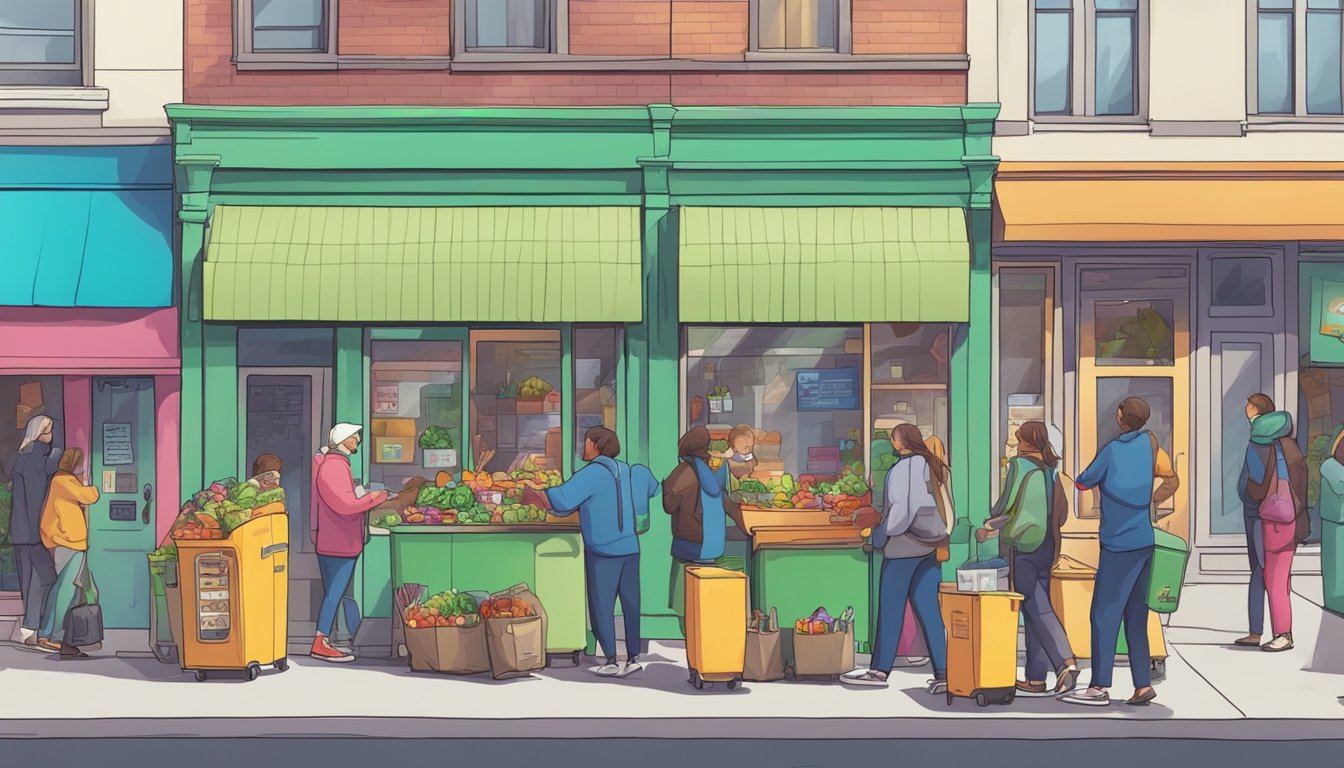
(33, 470)
(909, 533)
(65, 529)
(1029, 517)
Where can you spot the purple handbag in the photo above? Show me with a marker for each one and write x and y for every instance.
(1278, 505)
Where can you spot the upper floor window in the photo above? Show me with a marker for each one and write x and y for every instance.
(1292, 78)
(286, 29)
(41, 43)
(523, 26)
(1088, 58)
(800, 26)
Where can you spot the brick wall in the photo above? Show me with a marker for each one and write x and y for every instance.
(211, 77)
(625, 28)
(395, 27)
(909, 26)
(710, 29)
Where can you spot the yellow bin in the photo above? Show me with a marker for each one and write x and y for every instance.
(981, 644)
(1071, 596)
(716, 629)
(235, 598)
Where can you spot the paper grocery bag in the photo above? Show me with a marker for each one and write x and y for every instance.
(765, 656)
(454, 650)
(825, 655)
(517, 646)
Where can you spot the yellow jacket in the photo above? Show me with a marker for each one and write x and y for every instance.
(63, 523)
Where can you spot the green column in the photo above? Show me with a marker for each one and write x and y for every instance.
(223, 427)
(348, 376)
(193, 175)
(974, 356)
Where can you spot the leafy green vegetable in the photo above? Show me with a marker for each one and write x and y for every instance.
(533, 388)
(435, 438)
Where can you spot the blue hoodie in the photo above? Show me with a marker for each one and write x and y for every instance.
(713, 516)
(1123, 472)
(592, 492)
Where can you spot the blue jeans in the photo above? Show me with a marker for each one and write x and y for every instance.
(912, 579)
(609, 578)
(62, 596)
(1255, 589)
(1121, 593)
(337, 575)
(1047, 643)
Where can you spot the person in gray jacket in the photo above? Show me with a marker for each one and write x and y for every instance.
(37, 462)
(909, 534)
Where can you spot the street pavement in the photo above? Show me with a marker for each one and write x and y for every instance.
(1211, 691)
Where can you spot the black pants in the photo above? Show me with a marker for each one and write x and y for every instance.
(37, 575)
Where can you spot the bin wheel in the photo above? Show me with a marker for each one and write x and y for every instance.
(981, 699)
(1007, 698)
(200, 675)
(282, 663)
(577, 657)
(732, 684)
(253, 671)
(697, 681)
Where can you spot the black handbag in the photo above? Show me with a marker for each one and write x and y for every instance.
(84, 622)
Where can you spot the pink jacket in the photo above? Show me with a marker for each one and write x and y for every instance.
(337, 514)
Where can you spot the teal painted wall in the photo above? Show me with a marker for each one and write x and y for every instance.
(658, 157)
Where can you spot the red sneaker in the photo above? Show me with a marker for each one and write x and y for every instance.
(323, 651)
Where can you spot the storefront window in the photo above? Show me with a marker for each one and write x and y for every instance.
(415, 410)
(21, 399)
(1135, 332)
(800, 388)
(909, 376)
(1321, 410)
(286, 347)
(595, 352)
(1114, 390)
(515, 400)
(1024, 314)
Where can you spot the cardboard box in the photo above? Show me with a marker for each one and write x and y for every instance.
(454, 650)
(393, 427)
(588, 401)
(531, 407)
(517, 646)
(30, 394)
(22, 414)
(393, 450)
(555, 445)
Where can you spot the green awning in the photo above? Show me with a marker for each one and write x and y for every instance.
(520, 264)
(817, 265)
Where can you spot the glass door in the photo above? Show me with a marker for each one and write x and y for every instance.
(121, 523)
(1134, 341)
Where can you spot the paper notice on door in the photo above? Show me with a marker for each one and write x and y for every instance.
(117, 449)
(386, 399)
(109, 481)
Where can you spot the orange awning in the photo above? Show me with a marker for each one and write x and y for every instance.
(1175, 201)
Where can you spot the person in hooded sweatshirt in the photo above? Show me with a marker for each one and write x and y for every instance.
(610, 496)
(339, 525)
(696, 496)
(1124, 471)
(38, 461)
(1271, 543)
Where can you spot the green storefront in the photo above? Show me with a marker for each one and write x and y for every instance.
(405, 268)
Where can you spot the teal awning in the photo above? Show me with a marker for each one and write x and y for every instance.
(86, 248)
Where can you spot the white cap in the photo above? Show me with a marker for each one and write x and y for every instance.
(343, 431)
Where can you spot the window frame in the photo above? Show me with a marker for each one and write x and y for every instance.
(1083, 61)
(844, 36)
(1299, 114)
(76, 75)
(244, 53)
(557, 32)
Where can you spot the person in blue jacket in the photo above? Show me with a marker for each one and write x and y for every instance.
(610, 497)
(1124, 471)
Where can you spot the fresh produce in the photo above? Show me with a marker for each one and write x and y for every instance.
(386, 520)
(506, 608)
(446, 609)
(850, 483)
(522, 514)
(533, 388)
(165, 554)
(822, 623)
(435, 438)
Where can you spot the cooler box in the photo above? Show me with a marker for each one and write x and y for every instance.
(716, 629)
(1071, 596)
(1170, 555)
(981, 644)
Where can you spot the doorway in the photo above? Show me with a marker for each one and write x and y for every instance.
(121, 523)
(284, 411)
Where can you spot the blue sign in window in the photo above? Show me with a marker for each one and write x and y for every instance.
(828, 389)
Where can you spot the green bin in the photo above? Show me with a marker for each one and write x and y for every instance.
(1332, 534)
(1170, 555)
(164, 614)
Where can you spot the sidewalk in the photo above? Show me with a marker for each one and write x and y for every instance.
(1211, 691)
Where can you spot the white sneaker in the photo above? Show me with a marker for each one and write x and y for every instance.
(1088, 698)
(866, 678)
(1279, 644)
(607, 670)
(21, 635)
(937, 687)
(916, 661)
(629, 668)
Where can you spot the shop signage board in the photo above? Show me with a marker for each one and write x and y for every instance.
(386, 399)
(117, 451)
(828, 389)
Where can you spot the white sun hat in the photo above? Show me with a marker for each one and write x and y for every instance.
(343, 431)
